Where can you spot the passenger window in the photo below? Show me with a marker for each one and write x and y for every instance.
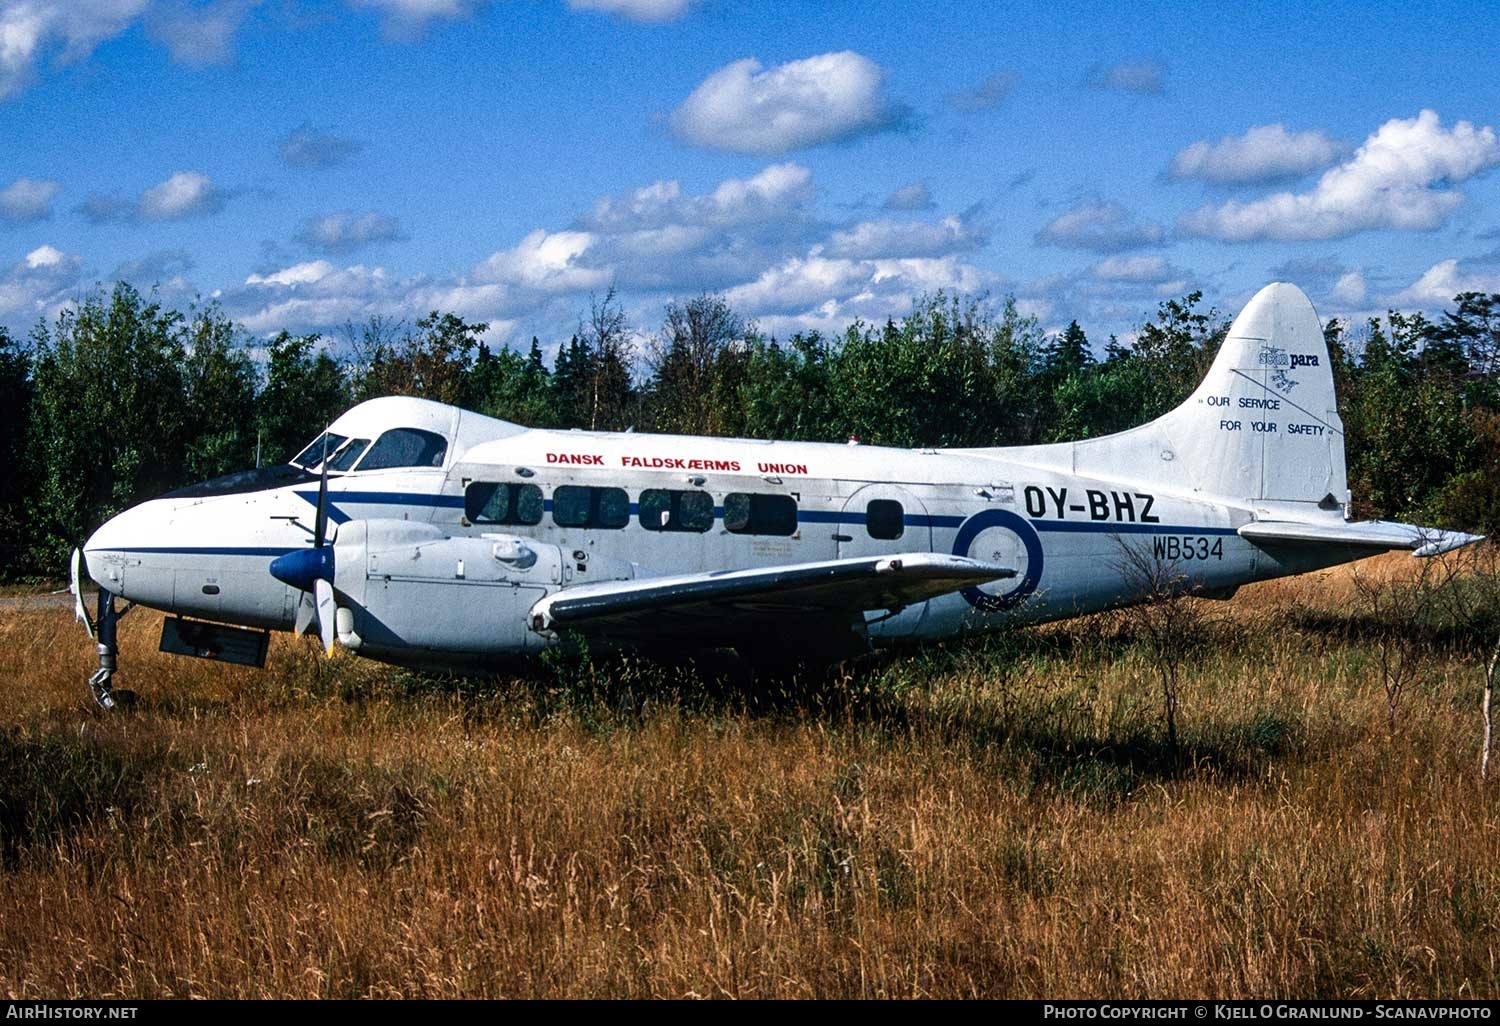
(760, 514)
(664, 510)
(406, 447)
(577, 506)
(486, 502)
(885, 519)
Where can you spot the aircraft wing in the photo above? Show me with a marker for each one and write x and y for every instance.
(725, 606)
(1372, 534)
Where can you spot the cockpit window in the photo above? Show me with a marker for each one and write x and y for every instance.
(405, 447)
(327, 442)
(352, 451)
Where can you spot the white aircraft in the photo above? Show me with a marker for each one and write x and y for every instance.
(420, 534)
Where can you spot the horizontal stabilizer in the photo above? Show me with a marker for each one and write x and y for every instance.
(739, 601)
(1372, 534)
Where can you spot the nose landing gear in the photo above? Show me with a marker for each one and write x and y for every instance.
(104, 629)
(107, 636)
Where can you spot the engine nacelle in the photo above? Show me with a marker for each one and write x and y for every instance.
(412, 589)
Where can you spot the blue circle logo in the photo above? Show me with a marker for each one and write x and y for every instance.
(1002, 519)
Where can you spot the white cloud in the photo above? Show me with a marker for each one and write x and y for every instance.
(751, 238)
(777, 193)
(1441, 282)
(309, 147)
(1101, 227)
(45, 256)
(1350, 289)
(28, 199)
(319, 295)
(183, 194)
(871, 240)
(546, 262)
(1264, 153)
(343, 232)
(310, 273)
(1151, 270)
(913, 196)
(636, 10)
(32, 29)
(746, 109)
(38, 284)
(815, 291)
(1128, 77)
(661, 237)
(1402, 178)
(408, 18)
(198, 34)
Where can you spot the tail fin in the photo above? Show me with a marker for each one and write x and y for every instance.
(1261, 430)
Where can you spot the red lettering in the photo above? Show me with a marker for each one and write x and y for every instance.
(575, 459)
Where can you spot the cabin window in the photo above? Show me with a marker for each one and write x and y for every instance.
(885, 519)
(327, 442)
(664, 510)
(760, 514)
(486, 502)
(577, 506)
(349, 454)
(406, 447)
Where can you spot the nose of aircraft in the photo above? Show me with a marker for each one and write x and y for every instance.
(110, 547)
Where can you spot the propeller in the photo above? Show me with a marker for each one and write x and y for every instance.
(310, 571)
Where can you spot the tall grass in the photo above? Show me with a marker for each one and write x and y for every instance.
(992, 818)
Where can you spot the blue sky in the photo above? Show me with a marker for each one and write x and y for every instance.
(307, 163)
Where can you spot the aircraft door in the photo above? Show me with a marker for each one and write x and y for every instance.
(883, 519)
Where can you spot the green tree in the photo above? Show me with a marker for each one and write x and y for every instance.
(16, 483)
(219, 380)
(606, 338)
(305, 388)
(1068, 354)
(430, 362)
(110, 415)
(698, 363)
(1475, 327)
(510, 386)
(1177, 349)
(787, 391)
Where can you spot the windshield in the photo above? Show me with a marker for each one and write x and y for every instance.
(327, 442)
(406, 447)
(351, 451)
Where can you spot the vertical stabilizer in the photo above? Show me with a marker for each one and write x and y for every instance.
(1261, 430)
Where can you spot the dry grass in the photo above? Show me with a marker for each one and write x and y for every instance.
(987, 819)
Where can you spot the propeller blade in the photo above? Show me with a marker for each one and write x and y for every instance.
(327, 613)
(76, 587)
(320, 522)
(306, 611)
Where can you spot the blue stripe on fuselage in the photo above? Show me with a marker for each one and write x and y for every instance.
(804, 516)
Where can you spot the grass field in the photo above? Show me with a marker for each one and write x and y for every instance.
(998, 818)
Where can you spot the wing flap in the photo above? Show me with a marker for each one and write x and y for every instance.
(734, 603)
(1381, 535)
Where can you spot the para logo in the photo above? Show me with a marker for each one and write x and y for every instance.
(1279, 361)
